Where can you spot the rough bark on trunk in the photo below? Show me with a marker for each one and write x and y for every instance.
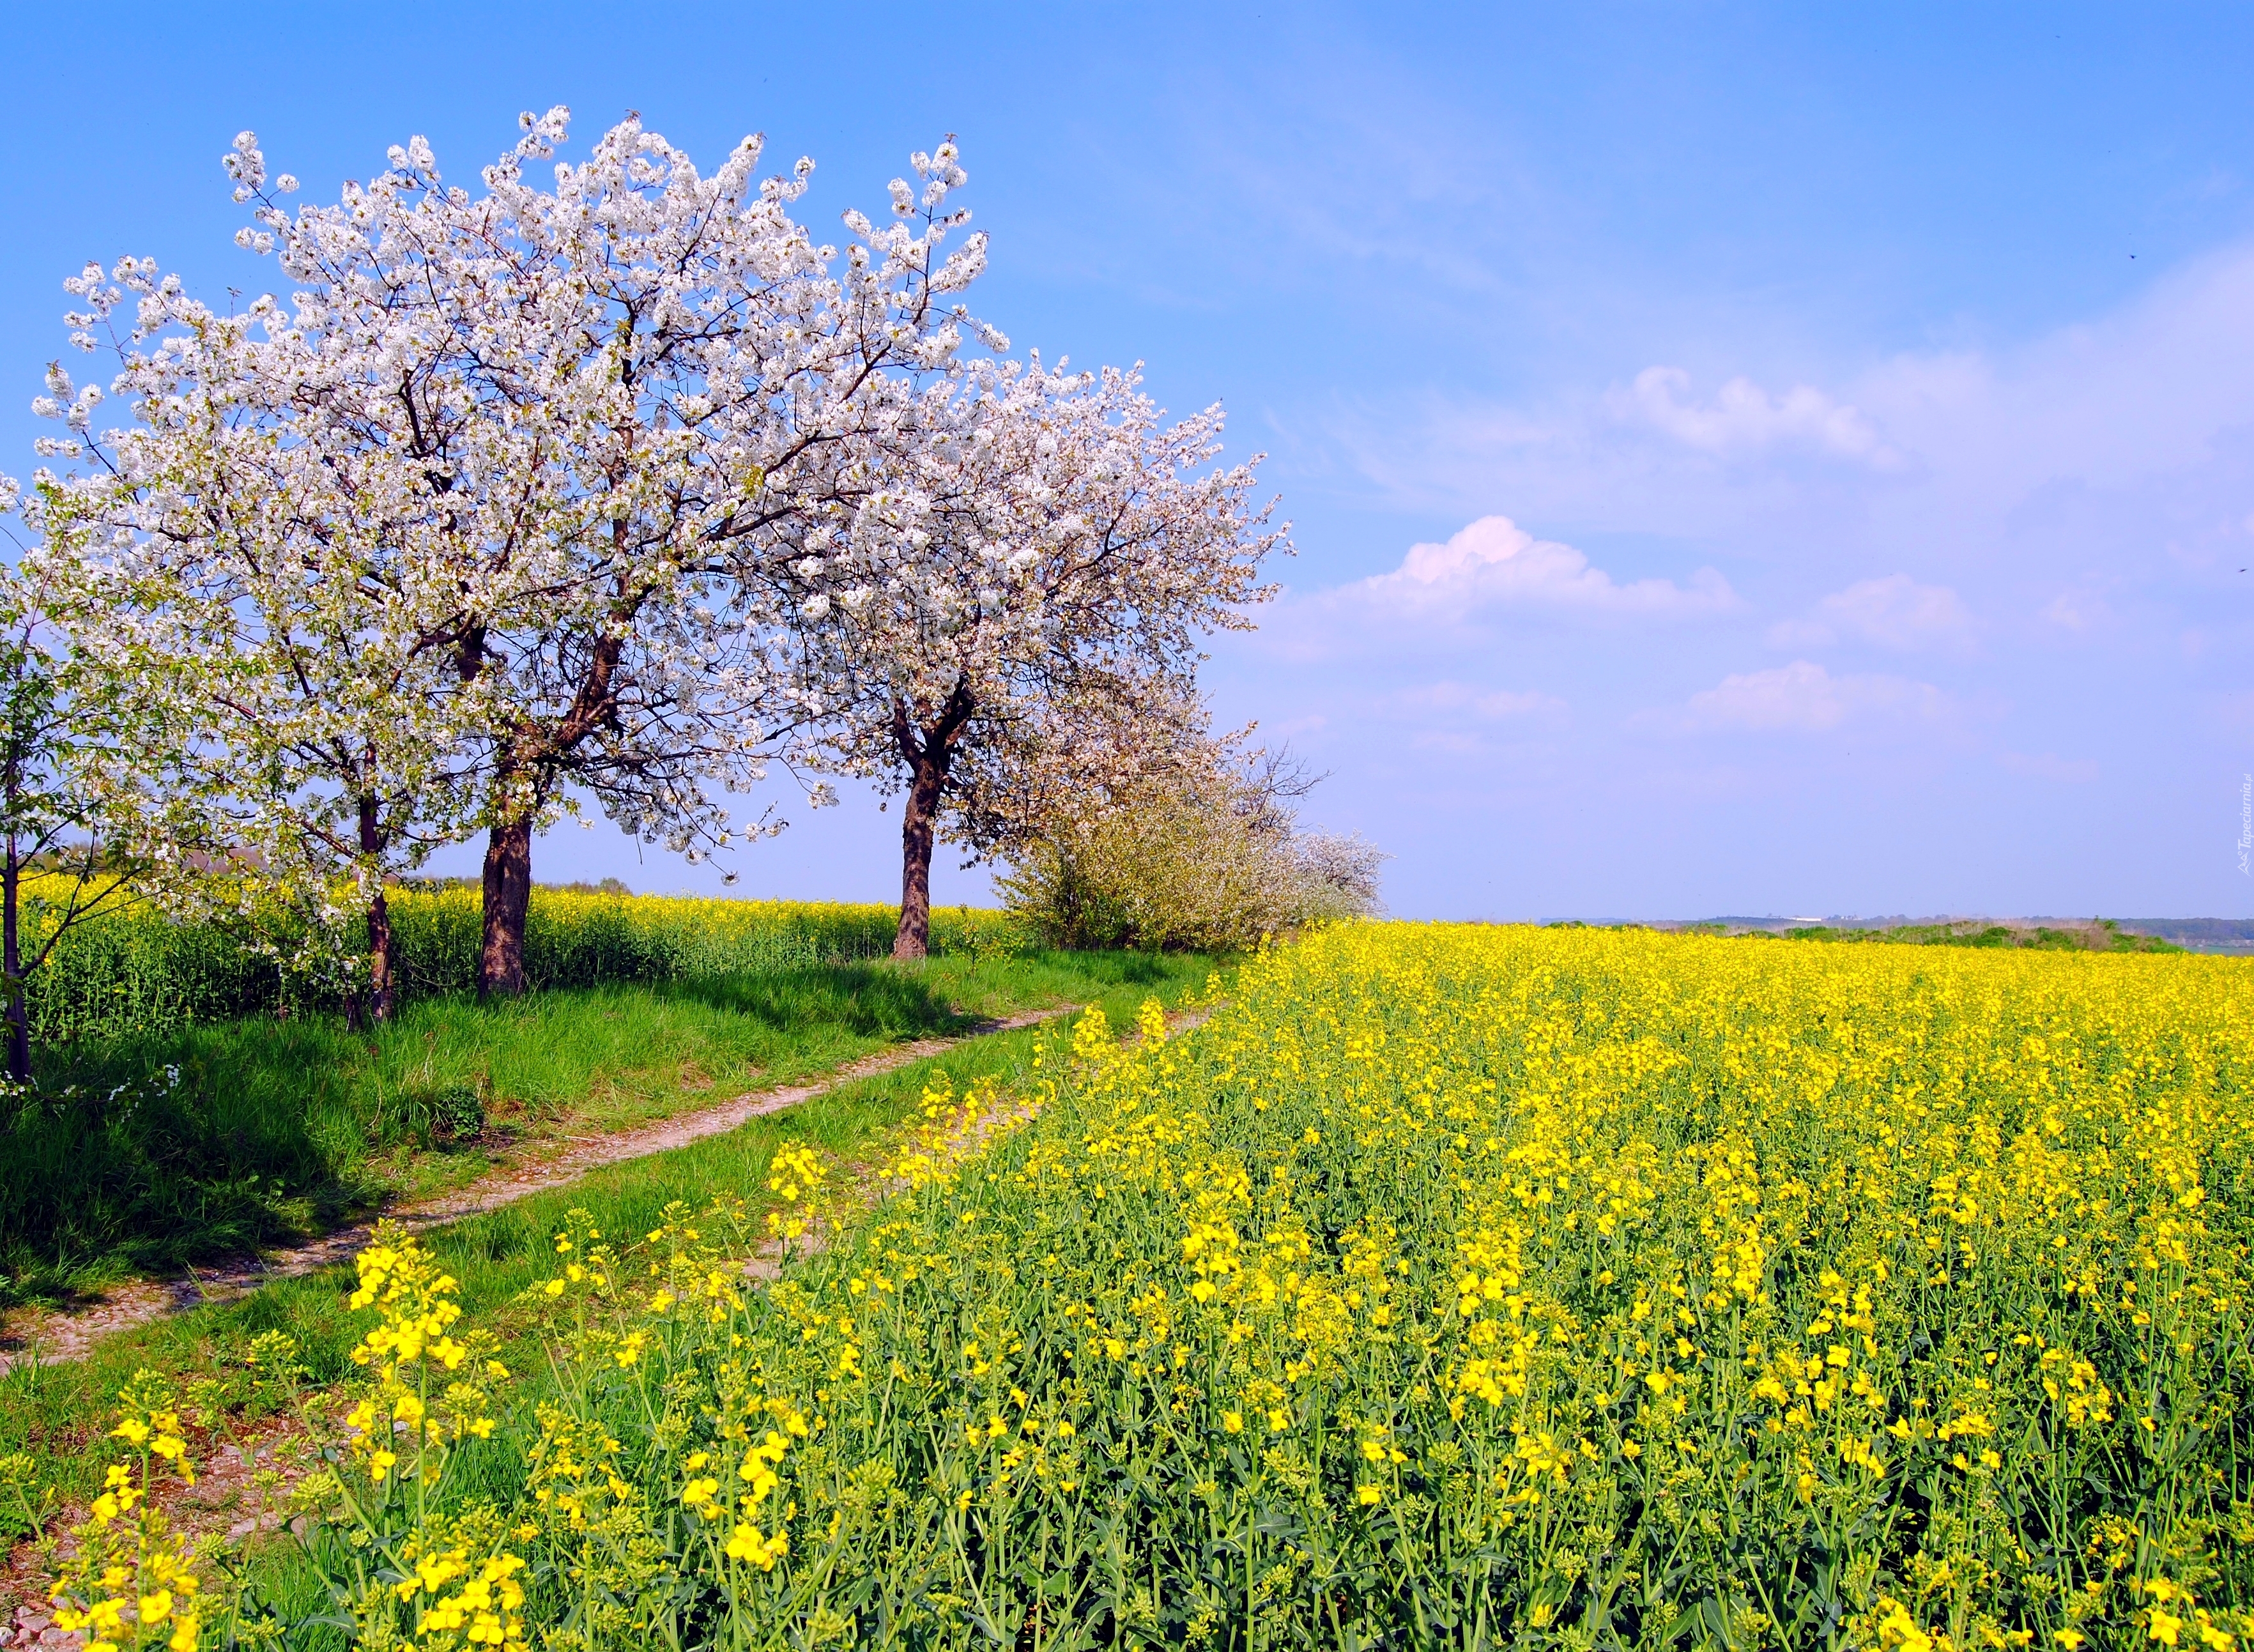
(11, 962)
(533, 761)
(929, 749)
(507, 900)
(383, 961)
(914, 940)
(382, 948)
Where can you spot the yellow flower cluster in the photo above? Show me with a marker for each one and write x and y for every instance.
(458, 1597)
(796, 1177)
(418, 1396)
(952, 1132)
(740, 1491)
(132, 1582)
(1640, 1286)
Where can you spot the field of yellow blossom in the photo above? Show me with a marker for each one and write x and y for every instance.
(1449, 1287)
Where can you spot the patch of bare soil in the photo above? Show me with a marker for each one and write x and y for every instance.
(242, 1487)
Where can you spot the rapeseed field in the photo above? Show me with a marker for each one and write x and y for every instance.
(1449, 1287)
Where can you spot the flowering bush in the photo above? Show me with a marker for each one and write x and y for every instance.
(1188, 872)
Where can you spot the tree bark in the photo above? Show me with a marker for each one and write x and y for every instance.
(383, 961)
(508, 900)
(532, 762)
(929, 749)
(914, 940)
(11, 962)
(382, 947)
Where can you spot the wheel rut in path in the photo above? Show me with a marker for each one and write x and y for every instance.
(59, 1338)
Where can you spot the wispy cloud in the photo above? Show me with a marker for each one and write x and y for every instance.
(2089, 442)
(1799, 698)
(2143, 391)
(1743, 419)
(1491, 705)
(1463, 719)
(1893, 613)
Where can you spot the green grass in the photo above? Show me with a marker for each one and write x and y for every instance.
(136, 972)
(208, 1140)
(58, 1413)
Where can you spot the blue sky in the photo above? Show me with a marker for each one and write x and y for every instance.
(1743, 460)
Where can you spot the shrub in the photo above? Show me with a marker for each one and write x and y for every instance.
(1211, 867)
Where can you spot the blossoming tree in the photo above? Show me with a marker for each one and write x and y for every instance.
(1019, 600)
(75, 796)
(244, 569)
(481, 520)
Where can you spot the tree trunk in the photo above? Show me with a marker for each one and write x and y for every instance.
(382, 960)
(11, 963)
(921, 814)
(929, 752)
(382, 949)
(508, 900)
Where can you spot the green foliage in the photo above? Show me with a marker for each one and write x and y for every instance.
(55, 1413)
(1190, 872)
(136, 972)
(2103, 934)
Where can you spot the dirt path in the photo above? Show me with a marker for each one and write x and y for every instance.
(228, 1497)
(58, 1338)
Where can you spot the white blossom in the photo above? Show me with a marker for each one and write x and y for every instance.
(502, 502)
(986, 698)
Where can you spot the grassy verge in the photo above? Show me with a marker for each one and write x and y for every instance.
(212, 1140)
(57, 1414)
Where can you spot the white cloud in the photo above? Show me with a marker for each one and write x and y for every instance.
(1743, 419)
(1799, 698)
(2075, 611)
(1494, 561)
(2141, 392)
(1894, 613)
